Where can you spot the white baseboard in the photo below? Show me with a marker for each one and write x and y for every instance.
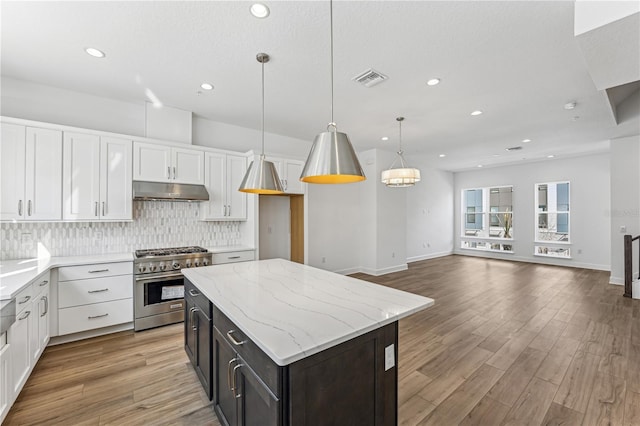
(616, 280)
(348, 271)
(374, 272)
(570, 263)
(428, 256)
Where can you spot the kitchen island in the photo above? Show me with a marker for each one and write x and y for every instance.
(278, 343)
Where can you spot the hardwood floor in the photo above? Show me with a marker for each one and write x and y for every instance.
(506, 343)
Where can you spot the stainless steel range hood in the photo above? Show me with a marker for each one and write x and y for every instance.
(169, 191)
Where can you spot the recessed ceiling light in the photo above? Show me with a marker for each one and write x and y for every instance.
(479, 165)
(385, 138)
(476, 112)
(526, 140)
(433, 81)
(570, 105)
(95, 52)
(207, 86)
(259, 10)
(550, 156)
(442, 155)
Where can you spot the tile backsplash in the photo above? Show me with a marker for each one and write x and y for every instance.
(155, 224)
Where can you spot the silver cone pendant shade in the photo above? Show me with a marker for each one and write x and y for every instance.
(332, 160)
(261, 178)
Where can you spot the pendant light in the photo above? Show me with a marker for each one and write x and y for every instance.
(261, 176)
(403, 175)
(332, 158)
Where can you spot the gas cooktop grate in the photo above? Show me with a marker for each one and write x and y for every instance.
(170, 251)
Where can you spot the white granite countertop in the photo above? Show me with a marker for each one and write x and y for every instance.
(16, 274)
(227, 249)
(292, 311)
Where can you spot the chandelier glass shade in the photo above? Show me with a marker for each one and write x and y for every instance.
(403, 176)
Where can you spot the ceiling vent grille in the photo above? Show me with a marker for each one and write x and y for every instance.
(370, 78)
(514, 148)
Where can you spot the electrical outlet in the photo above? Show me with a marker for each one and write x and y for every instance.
(424, 245)
(623, 229)
(389, 357)
(324, 260)
(579, 251)
(97, 235)
(393, 254)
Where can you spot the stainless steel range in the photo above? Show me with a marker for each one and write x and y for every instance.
(159, 284)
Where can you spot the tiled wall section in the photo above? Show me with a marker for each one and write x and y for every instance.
(155, 224)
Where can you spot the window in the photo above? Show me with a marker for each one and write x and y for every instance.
(552, 219)
(488, 214)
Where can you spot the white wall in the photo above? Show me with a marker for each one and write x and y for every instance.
(430, 214)
(590, 205)
(625, 201)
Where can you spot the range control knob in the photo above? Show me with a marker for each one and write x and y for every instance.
(176, 265)
(142, 268)
(152, 268)
(162, 266)
(205, 262)
(197, 263)
(187, 264)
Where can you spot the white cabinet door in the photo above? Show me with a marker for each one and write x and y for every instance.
(81, 177)
(6, 385)
(151, 162)
(116, 197)
(236, 200)
(12, 162)
(43, 178)
(188, 166)
(20, 339)
(292, 172)
(215, 182)
(43, 320)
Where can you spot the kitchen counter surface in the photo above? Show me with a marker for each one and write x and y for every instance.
(292, 311)
(227, 249)
(16, 274)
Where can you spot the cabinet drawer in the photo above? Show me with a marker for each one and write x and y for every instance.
(200, 300)
(89, 317)
(81, 272)
(24, 298)
(233, 256)
(84, 292)
(41, 283)
(260, 362)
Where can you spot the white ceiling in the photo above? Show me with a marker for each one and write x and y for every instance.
(518, 61)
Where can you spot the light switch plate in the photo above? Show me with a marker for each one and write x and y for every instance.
(389, 357)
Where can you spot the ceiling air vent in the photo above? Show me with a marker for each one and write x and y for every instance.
(370, 78)
(514, 148)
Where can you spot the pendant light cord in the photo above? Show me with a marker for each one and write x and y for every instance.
(331, 43)
(262, 109)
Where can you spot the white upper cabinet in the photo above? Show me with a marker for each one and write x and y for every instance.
(161, 163)
(223, 175)
(31, 173)
(97, 178)
(289, 172)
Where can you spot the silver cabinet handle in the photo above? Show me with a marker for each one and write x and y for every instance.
(175, 306)
(104, 210)
(26, 314)
(45, 299)
(174, 172)
(233, 339)
(98, 316)
(95, 271)
(286, 184)
(229, 209)
(225, 209)
(19, 207)
(26, 299)
(102, 290)
(229, 369)
(233, 257)
(168, 172)
(29, 208)
(193, 293)
(43, 283)
(95, 209)
(235, 385)
(194, 323)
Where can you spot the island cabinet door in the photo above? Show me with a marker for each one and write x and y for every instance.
(197, 343)
(348, 384)
(224, 392)
(258, 406)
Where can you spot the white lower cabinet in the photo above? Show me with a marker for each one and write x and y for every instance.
(6, 391)
(42, 322)
(94, 296)
(20, 337)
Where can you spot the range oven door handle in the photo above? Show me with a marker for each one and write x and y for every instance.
(157, 277)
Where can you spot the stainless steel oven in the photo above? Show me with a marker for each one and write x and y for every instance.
(159, 284)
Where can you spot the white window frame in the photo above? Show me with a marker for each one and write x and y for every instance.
(551, 248)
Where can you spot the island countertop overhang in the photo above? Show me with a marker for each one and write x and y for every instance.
(292, 311)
